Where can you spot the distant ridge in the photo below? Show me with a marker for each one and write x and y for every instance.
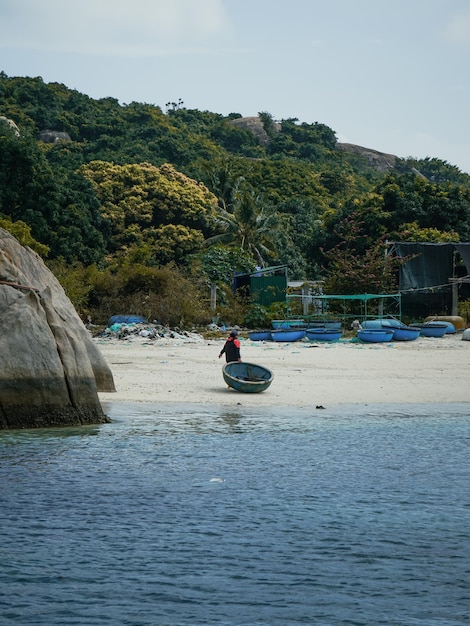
(380, 161)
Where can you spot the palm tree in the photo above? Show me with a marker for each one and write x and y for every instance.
(250, 224)
(223, 182)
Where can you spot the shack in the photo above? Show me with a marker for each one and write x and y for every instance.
(434, 279)
(264, 286)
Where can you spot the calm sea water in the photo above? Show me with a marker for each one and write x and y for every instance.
(203, 516)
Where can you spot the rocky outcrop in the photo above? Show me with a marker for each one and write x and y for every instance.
(255, 126)
(380, 161)
(50, 370)
(11, 125)
(53, 136)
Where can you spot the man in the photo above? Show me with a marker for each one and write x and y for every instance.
(231, 348)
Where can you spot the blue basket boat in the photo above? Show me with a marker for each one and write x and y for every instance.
(405, 333)
(293, 323)
(378, 324)
(332, 324)
(401, 332)
(431, 329)
(259, 335)
(323, 334)
(283, 334)
(375, 335)
(247, 377)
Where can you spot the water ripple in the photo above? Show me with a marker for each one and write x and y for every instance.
(201, 516)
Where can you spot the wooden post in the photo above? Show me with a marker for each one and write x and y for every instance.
(305, 299)
(213, 296)
(455, 297)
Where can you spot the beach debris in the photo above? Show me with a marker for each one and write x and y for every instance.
(146, 332)
(466, 334)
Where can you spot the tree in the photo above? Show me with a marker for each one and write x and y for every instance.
(224, 182)
(412, 232)
(156, 207)
(251, 225)
(411, 198)
(219, 264)
(352, 273)
(301, 237)
(58, 205)
(435, 170)
(22, 232)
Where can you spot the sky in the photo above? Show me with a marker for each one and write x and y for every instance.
(391, 75)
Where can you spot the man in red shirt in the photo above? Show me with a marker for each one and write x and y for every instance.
(231, 348)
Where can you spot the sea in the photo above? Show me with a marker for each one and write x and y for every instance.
(199, 515)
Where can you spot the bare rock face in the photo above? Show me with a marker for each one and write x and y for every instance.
(53, 136)
(50, 370)
(11, 125)
(254, 125)
(380, 161)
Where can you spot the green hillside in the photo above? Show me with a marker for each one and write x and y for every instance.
(127, 201)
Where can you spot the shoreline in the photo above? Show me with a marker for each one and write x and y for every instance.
(306, 374)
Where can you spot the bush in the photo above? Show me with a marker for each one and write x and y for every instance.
(161, 294)
(256, 317)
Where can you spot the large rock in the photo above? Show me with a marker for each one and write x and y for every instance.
(50, 370)
(254, 125)
(11, 125)
(53, 136)
(380, 161)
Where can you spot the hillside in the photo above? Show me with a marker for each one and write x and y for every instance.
(91, 182)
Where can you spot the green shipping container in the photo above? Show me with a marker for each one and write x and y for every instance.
(268, 289)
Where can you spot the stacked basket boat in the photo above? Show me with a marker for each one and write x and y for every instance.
(372, 331)
(297, 329)
(382, 330)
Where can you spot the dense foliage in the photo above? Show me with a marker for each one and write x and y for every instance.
(198, 196)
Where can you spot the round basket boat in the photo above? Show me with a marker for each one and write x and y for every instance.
(405, 333)
(323, 334)
(431, 329)
(293, 323)
(374, 335)
(259, 335)
(247, 377)
(282, 334)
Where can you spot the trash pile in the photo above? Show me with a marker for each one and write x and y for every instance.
(145, 331)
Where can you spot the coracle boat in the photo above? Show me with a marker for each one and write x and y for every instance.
(292, 323)
(405, 333)
(259, 335)
(378, 324)
(401, 332)
(247, 377)
(332, 324)
(431, 329)
(453, 320)
(321, 324)
(323, 334)
(375, 335)
(283, 334)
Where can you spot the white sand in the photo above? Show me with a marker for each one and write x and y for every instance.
(306, 374)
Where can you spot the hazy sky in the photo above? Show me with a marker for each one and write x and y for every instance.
(392, 75)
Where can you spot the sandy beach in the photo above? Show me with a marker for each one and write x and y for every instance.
(306, 374)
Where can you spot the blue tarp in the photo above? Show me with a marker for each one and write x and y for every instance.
(126, 319)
